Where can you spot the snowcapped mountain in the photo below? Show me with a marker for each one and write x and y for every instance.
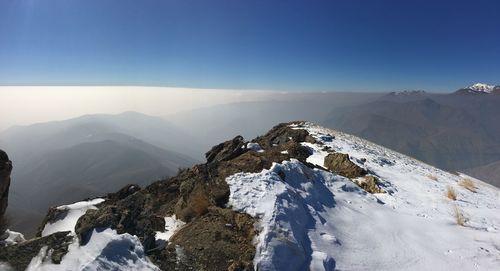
(480, 88)
(301, 197)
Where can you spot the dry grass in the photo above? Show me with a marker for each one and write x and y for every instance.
(451, 193)
(199, 204)
(433, 177)
(459, 217)
(468, 184)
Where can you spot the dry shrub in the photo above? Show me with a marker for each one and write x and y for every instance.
(433, 177)
(468, 184)
(199, 204)
(451, 193)
(369, 183)
(459, 217)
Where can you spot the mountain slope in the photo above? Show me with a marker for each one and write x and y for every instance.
(318, 199)
(61, 162)
(451, 132)
(88, 170)
(489, 172)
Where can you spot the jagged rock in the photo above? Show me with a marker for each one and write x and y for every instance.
(227, 150)
(219, 240)
(282, 134)
(19, 256)
(5, 170)
(130, 215)
(124, 192)
(369, 183)
(342, 165)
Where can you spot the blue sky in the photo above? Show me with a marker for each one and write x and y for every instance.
(283, 45)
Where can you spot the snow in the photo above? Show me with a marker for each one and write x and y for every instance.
(254, 147)
(74, 212)
(172, 225)
(13, 238)
(106, 250)
(314, 219)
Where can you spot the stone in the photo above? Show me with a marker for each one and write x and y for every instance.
(342, 165)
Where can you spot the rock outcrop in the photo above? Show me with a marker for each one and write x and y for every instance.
(20, 255)
(5, 170)
(342, 165)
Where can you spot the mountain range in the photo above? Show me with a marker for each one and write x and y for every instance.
(299, 197)
(453, 131)
(64, 161)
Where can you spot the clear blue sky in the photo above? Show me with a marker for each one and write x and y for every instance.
(251, 44)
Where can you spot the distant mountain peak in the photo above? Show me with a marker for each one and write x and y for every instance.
(480, 88)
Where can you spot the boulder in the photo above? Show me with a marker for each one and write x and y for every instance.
(342, 165)
(227, 150)
(282, 134)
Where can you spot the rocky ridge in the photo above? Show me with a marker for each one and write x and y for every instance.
(290, 199)
(215, 237)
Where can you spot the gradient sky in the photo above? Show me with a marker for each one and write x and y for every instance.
(251, 44)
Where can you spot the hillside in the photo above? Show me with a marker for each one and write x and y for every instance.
(300, 197)
(453, 132)
(62, 162)
(487, 172)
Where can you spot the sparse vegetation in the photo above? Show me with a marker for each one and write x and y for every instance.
(199, 204)
(369, 183)
(459, 216)
(468, 184)
(432, 177)
(451, 193)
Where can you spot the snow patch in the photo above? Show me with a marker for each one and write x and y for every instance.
(12, 237)
(172, 225)
(73, 213)
(106, 250)
(254, 147)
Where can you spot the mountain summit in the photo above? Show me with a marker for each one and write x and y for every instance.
(300, 197)
(479, 88)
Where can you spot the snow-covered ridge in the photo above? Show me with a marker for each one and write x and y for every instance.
(313, 219)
